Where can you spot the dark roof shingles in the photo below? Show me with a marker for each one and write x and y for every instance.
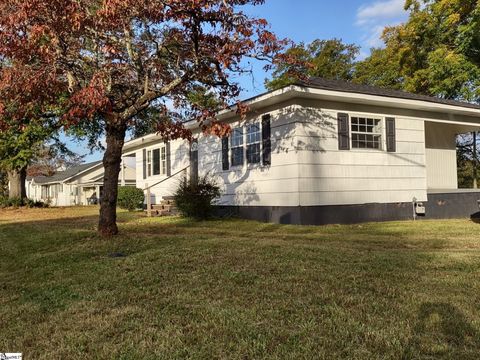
(345, 86)
(64, 175)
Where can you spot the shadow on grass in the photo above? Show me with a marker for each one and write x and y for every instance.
(136, 226)
(442, 331)
(66, 222)
(310, 286)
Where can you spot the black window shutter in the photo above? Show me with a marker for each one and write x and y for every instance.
(391, 135)
(194, 161)
(225, 163)
(169, 160)
(266, 140)
(156, 162)
(144, 164)
(343, 132)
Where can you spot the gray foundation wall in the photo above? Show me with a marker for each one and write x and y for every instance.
(438, 206)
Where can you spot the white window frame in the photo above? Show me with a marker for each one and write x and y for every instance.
(250, 140)
(379, 131)
(246, 140)
(162, 161)
(237, 145)
(149, 163)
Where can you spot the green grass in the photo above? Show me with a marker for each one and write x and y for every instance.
(237, 289)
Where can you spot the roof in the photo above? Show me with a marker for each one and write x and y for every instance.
(342, 91)
(345, 86)
(67, 174)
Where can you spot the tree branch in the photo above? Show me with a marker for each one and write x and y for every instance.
(133, 55)
(143, 102)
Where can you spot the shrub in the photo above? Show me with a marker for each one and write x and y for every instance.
(18, 202)
(11, 202)
(3, 201)
(36, 204)
(130, 198)
(196, 200)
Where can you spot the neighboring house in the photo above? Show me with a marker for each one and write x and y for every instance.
(74, 186)
(325, 152)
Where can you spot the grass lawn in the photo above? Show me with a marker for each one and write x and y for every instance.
(236, 289)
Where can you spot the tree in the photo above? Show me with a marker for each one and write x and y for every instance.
(22, 133)
(436, 52)
(467, 160)
(433, 53)
(330, 59)
(146, 122)
(51, 157)
(106, 61)
(19, 145)
(381, 68)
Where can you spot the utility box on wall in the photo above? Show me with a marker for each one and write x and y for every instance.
(420, 209)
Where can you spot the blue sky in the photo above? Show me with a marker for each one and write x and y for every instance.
(354, 21)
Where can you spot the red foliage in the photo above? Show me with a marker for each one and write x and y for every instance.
(40, 170)
(111, 59)
(88, 101)
(99, 64)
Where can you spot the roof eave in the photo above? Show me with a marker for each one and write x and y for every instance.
(82, 172)
(62, 181)
(387, 101)
(298, 91)
(254, 102)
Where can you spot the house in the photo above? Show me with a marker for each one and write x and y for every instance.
(323, 152)
(75, 185)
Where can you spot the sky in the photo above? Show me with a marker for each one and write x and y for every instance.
(359, 22)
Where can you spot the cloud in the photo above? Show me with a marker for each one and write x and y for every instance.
(374, 16)
(384, 10)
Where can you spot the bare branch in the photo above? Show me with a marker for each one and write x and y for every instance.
(144, 101)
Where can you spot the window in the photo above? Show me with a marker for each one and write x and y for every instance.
(253, 143)
(56, 189)
(45, 194)
(157, 161)
(249, 144)
(149, 163)
(163, 160)
(237, 146)
(366, 133)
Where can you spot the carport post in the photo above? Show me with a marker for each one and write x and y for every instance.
(123, 172)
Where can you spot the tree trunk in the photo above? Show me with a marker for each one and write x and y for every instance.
(107, 225)
(16, 179)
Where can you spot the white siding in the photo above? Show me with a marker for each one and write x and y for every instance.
(441, 155)
(442, 169)
(245, 185)
(307, 168)
(179, 155)
(257, 185)
(329, 176)
(72, 191)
